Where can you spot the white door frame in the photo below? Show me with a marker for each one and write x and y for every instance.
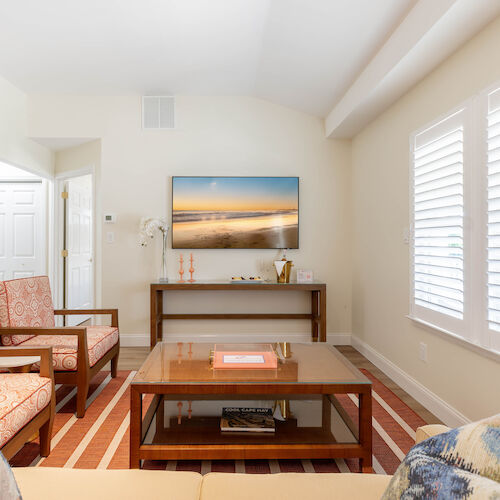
(60, 179)
(48, 186)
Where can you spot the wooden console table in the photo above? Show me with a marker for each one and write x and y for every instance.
(317, 314)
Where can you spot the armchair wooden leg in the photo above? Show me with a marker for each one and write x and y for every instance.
(45, 437)
(114, 365)
(81, 398)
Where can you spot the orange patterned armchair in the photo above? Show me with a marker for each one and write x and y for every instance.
(27, 400)
(27, 319)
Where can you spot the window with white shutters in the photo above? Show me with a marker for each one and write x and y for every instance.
(455, 218)
(438, 222)
(493, 193)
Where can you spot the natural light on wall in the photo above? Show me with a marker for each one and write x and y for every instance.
(455, 212)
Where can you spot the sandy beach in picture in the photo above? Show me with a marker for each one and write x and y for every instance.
(235, 212)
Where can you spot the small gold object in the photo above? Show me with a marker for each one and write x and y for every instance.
(283, 269)
(285, 349)
(282, 351)
(284, 406)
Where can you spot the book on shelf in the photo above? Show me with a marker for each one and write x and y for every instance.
(247, 420)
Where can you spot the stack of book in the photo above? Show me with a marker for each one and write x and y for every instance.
(247, 420)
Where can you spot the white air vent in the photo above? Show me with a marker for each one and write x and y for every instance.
(158, 112)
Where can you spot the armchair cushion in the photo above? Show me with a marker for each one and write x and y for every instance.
(22, 397)
(100, 340)
(25, 302)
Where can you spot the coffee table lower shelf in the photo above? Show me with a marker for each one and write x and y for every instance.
(200, 438)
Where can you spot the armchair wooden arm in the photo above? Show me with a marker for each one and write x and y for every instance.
(112, 312)
(45, 353)
(39, 330)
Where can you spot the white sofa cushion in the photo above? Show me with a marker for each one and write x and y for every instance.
(46, 483)
(293, 486)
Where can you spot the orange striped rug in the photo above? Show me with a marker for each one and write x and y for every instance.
(101, 438)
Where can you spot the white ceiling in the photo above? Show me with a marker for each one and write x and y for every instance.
(299, 53)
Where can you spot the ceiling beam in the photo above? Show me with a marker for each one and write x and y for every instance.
(430, 32)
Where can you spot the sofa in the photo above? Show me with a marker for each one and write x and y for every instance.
(444, 463)
(51, 483)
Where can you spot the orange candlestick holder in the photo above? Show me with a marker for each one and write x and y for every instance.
(181, 270)
(191, 269)
(179, 415)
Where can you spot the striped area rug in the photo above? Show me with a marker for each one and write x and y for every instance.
(101, 438)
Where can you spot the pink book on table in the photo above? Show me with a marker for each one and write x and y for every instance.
(244, 360)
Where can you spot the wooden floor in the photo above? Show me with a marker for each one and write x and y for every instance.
(131, 358)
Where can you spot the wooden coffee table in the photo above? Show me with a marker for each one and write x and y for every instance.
(178, 379)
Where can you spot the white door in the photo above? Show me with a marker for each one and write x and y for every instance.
(79, 261)
(22, 230)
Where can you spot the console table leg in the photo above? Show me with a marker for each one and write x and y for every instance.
(322, 315)
(159, 308)
(326, 413)
(314, 312)
(153, 323)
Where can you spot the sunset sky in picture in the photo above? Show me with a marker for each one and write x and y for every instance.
(235, 193)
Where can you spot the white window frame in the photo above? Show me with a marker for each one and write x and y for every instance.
(473, 329)
(428, 316)
(489, 339)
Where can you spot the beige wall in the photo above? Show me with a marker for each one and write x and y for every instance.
(15, 147)
(465, 379)
(215, 136)
(78, 157)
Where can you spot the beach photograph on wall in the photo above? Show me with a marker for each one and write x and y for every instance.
(235, 212)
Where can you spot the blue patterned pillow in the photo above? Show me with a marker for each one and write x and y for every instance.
(8, 485)
(463, 463)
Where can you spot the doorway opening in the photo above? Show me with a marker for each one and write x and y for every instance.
(24, 223)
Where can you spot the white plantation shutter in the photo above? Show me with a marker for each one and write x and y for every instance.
(493, 163)
(438, 223)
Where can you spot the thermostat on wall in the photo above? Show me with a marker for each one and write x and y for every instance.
(110, 218)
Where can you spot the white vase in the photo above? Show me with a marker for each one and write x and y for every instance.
(163, 269)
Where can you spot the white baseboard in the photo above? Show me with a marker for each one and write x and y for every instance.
(446, 413)
(142, 339)
(134, 340)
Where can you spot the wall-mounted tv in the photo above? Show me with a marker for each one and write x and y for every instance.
(235, 212)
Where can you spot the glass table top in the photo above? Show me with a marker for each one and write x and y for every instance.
(189, 363)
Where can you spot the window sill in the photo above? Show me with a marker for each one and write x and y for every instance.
(456, 339)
